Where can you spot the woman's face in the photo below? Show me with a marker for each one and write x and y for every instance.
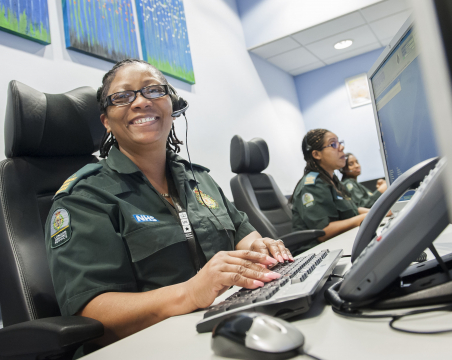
(330, 158)
(354, 169)
(143, 122)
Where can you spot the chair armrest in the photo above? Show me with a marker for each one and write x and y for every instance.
(297, 238)
(55, 335)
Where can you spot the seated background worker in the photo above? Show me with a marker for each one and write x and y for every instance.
(360, 195)
(319, 200)
(136, 239)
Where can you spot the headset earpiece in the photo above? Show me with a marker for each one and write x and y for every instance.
(180, 105)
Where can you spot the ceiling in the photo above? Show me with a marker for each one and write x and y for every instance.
(370, 28)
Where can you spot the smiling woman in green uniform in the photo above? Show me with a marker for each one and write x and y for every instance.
(320, 201)
(139, 237)
(361, 195)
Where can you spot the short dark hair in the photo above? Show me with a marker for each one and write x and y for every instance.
(345, 168)
(172, 143)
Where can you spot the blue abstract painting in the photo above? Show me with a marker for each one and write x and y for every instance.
(26, 18)
(164, 37)
(102, 28)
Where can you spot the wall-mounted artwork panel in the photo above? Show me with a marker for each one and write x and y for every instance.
(101, 28)
(164, 37)
(26, 18)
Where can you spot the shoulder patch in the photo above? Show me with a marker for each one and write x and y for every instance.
(308, 199)
(60, 227)
(311, 178)
(349, 186)
(75, 178)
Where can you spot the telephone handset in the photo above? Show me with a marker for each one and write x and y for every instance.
(408, 180)
(412, 230)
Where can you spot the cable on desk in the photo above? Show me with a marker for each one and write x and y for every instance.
(302, 352)
(396, 317)
(345, 256)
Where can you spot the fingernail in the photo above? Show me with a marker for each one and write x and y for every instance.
(280, 259)
(272, 275)
(258, 283)
(272, 260)
(291, 258)
(285, 257)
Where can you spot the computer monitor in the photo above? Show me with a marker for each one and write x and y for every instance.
(434, 21)
(400, 105)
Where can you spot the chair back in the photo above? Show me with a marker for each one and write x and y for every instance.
(48, 137)
(256, 193)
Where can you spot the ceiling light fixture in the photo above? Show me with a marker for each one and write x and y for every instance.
(343, 44)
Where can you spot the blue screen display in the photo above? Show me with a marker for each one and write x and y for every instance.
(405, 124)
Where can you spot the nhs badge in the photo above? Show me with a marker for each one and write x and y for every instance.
(145, 218)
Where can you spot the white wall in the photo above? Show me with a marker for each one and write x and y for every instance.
(267, 20)
(233, 94)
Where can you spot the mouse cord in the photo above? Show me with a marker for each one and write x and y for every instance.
(302, 352)
(396, 317)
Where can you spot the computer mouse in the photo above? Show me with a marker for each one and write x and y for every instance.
(256, 336)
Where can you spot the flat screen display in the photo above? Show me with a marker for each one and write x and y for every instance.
(402, 109)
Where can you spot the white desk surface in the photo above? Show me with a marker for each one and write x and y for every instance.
(327, 335)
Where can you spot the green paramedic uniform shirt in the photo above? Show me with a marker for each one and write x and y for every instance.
(361, 196)
(316, 204)
(109, 230)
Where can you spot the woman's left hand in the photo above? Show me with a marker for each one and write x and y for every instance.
(274, 248)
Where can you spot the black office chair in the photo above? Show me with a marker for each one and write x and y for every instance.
(47, 139)
(260, 198)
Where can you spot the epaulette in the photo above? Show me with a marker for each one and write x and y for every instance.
(201, 167)
(67, 186)
(310, 178)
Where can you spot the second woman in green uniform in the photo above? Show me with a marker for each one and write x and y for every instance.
(360, 195)
(320, 201)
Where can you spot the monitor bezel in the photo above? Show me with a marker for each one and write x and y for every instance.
(387, 52)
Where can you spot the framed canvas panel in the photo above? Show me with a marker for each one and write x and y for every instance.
(26, 18)
(164, 37)
(101, 28)
(358, 90)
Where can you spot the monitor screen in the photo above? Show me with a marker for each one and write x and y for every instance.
(401, 107)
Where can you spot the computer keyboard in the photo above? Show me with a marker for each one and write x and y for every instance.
(288, 296)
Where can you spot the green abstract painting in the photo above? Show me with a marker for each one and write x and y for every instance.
(101, 28)
(26, 18)
(164, 37)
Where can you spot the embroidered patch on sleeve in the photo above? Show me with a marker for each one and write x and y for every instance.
(369, 193)
(349, 187)
(308, 200)
(208, 200)
(60, 228)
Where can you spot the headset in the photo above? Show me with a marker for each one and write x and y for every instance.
(180, 105)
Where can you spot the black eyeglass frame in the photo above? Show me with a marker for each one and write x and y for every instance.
(335, 147)
(108, 101)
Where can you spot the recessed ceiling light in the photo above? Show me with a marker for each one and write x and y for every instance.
(343, 44)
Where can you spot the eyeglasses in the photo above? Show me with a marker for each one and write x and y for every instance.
(335, 145)
(123, 98)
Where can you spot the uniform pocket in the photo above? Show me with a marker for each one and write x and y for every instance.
(224, 222)
(148, 240)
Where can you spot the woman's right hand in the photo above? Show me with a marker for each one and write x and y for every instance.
(227, 268)
(382, 186)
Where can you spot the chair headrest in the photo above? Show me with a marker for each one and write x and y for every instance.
(249, 156)
(44, 125)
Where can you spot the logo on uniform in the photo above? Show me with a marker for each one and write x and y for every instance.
(145, 218)
(349, 187)
(60, 227)
(308, 199)
(369, 193)
(208, 200)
